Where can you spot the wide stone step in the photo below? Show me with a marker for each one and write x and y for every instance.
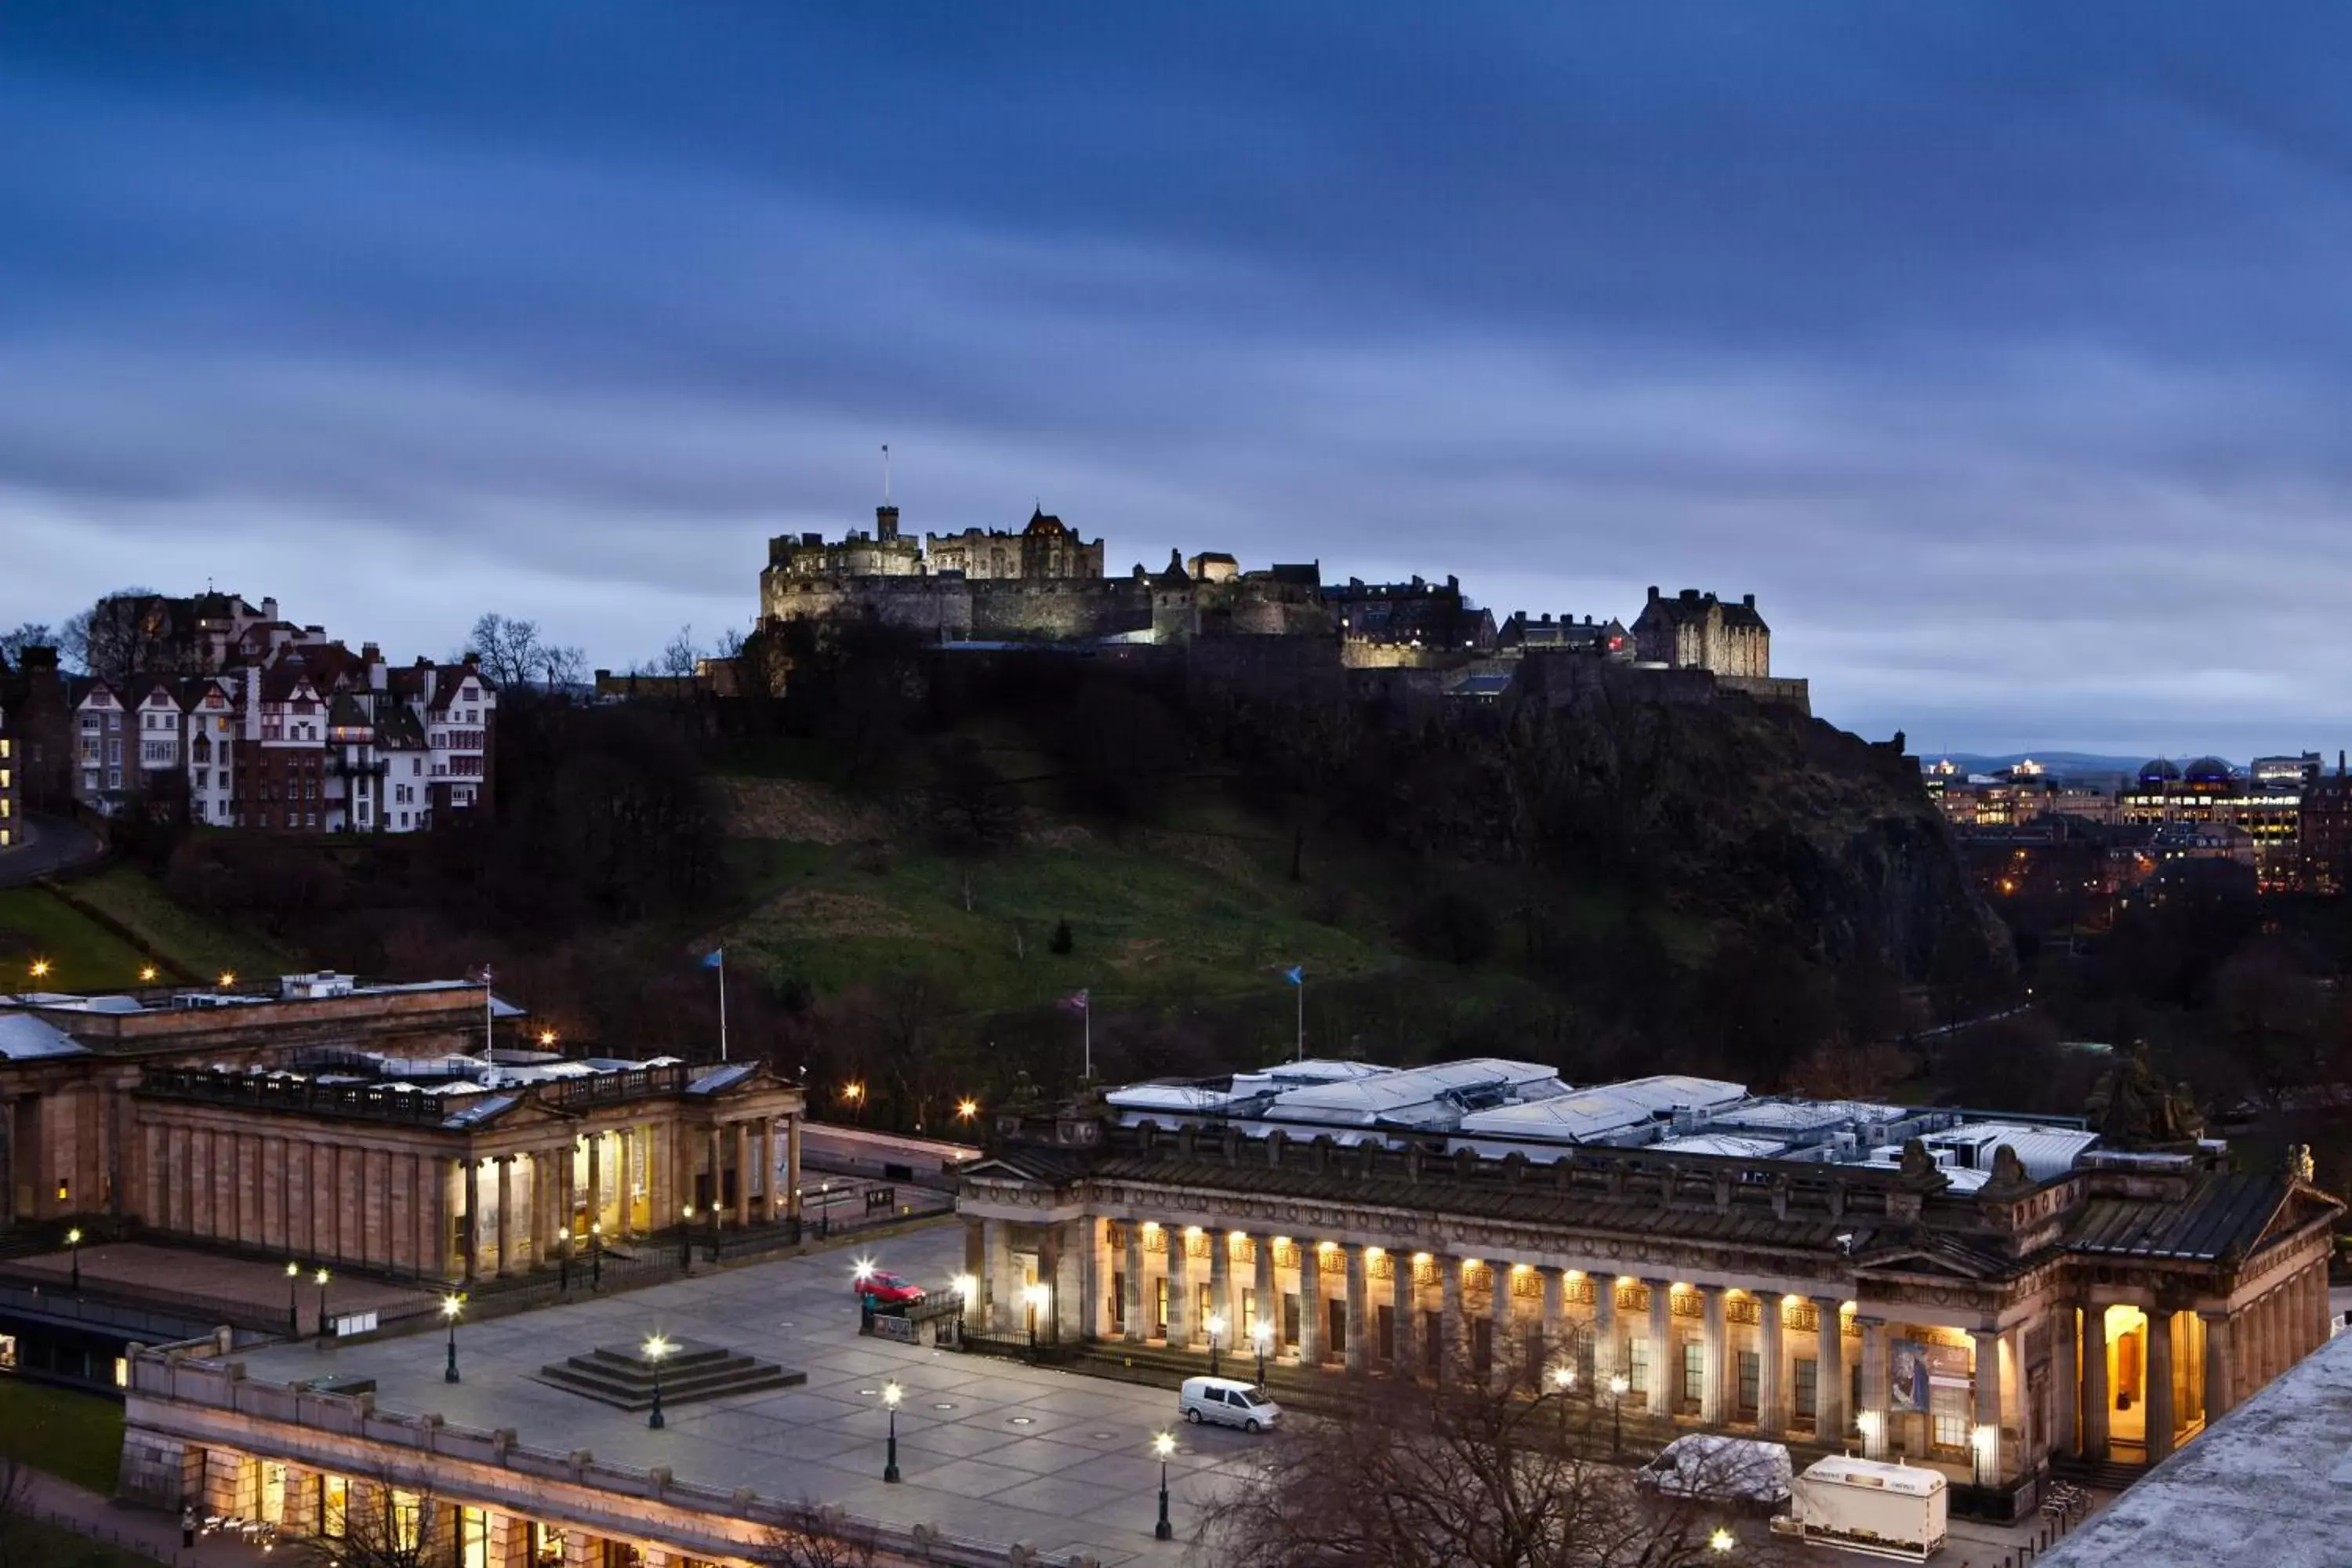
(621, 1376)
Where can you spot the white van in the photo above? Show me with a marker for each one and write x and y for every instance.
(1708, 1468)
(1229, 1401)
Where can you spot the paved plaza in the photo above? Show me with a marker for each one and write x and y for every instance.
(990, 1449)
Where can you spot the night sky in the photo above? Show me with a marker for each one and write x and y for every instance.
(2001, 352)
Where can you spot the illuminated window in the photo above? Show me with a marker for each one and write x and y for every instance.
(334, 1507)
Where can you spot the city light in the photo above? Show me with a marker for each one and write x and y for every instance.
(967, 1109)
(40, 969)
(1720, 1540)
(227, 978)
(147, 973)
(1163, 1444)
(967, 1286)
(853, 1090)
(865, 1269)
(546, 1038)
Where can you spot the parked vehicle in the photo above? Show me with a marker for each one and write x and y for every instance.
(1708, 1468)
(1889, 1510)
(1228, 1402)
(885, 1289)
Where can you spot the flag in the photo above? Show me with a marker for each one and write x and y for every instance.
(1296, 974)
(481, 976)
(715, 957)
(1076, 1002)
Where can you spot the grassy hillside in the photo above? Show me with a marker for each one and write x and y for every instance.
(36, 927)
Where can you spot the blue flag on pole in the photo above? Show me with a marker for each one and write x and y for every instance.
(712, 959)
(1296, 974)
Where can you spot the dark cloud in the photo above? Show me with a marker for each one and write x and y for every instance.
(1998, 352)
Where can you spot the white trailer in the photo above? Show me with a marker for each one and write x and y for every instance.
(1873, 1506)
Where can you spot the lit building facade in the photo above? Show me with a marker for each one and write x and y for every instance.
(1987, 1296)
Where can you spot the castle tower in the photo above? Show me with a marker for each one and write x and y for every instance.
(885, 521)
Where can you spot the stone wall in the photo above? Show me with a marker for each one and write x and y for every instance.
(956, 609)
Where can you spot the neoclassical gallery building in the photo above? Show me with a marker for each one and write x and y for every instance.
(1977, 1293)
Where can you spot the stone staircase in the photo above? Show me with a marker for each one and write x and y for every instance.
(622, 1376)
(2107, 1474)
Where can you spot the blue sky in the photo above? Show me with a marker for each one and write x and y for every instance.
(2002, 354)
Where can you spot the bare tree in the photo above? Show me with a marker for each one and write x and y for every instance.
(514, 654)
(1408, 1475)
(383, 1525)
(679, 654)
(16, 1549)
(810, 1536)
(29, 634)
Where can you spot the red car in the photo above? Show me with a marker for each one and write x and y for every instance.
(888, 1289)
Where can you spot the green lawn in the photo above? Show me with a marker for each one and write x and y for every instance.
(75, 1436)
(199, 948)
(36, 926)
(54, 1546)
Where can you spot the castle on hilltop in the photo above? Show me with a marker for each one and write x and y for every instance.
(1044, 584)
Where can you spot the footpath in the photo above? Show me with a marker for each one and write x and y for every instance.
(143, 1530)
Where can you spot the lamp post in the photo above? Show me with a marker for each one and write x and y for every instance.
(1262, 1336)
(1618, 1385)
(73, 1249)
(890, 1397)
(320, 1278)
(1163, 1444)
(1213, 1326)
(1036, 1296)
(1720, 1541)
(657, 1347)
(685, 1239)
(293, 1298)
(451, 1305)
(1563, 1378)
(595, 1255)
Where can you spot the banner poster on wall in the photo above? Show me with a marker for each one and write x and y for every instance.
(1915, 1368)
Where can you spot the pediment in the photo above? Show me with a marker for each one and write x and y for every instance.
(1921, 1260)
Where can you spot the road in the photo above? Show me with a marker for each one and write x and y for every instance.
(51, 844)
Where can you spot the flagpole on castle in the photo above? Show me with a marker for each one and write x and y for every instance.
(722, 1003)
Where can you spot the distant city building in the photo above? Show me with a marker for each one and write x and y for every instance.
(12, 815)
(1525, 632)
(288, 731)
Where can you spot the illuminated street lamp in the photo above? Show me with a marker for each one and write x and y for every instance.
(595, 1255)
(451, 1305)
(73, 1249)
(1214, 1327)
(1262, 1336)
(546, 1039)
(657, 1347)
(40, 970)
(967, 1290)
(1720, 1541)
(1163, 1444)
(890, 1397)
(147, 973)
(1618, 1387)
(1563, 1378)
(685, 1240)
(293, 1297)
(967, 1109)
(227, 978)
(320, 1278)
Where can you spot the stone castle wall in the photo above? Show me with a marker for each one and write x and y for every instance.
(956, 609)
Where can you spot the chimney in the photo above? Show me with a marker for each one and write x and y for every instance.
(268, 609)
(1690, 595)
(885, 523)
(370, 654)
(1653, 593)
(1749, 600)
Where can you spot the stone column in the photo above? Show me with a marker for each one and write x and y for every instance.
(1133, 1303)
(2096, 1399)
(1180, 1287)
(1499, 1369)
(717, 1171)
(1604, 1333)
(2066, 1378)
(2219, 1386)
(1003, 1296)
(506, 1213)
(595, 1177)
(742, 1174)
(1661, 1346)
(1262, 1247)
(1221, 1288)
(567, 1183)
(767, 1169)
(1875, 1436)
(473, 1215)
(2160, 1423)
(1828, 1373)
(1772, 1421)
(792, 1166)
(1449, 1318)
(1715, 1389)
(1404, 1331)
(1357, 1312)
(1554, 1321)
(1987, 1436)
(1310, 1304)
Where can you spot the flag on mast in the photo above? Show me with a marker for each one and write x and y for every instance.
(1296, 975)
(1076, 1002)
(481, 977)
(717, 959)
